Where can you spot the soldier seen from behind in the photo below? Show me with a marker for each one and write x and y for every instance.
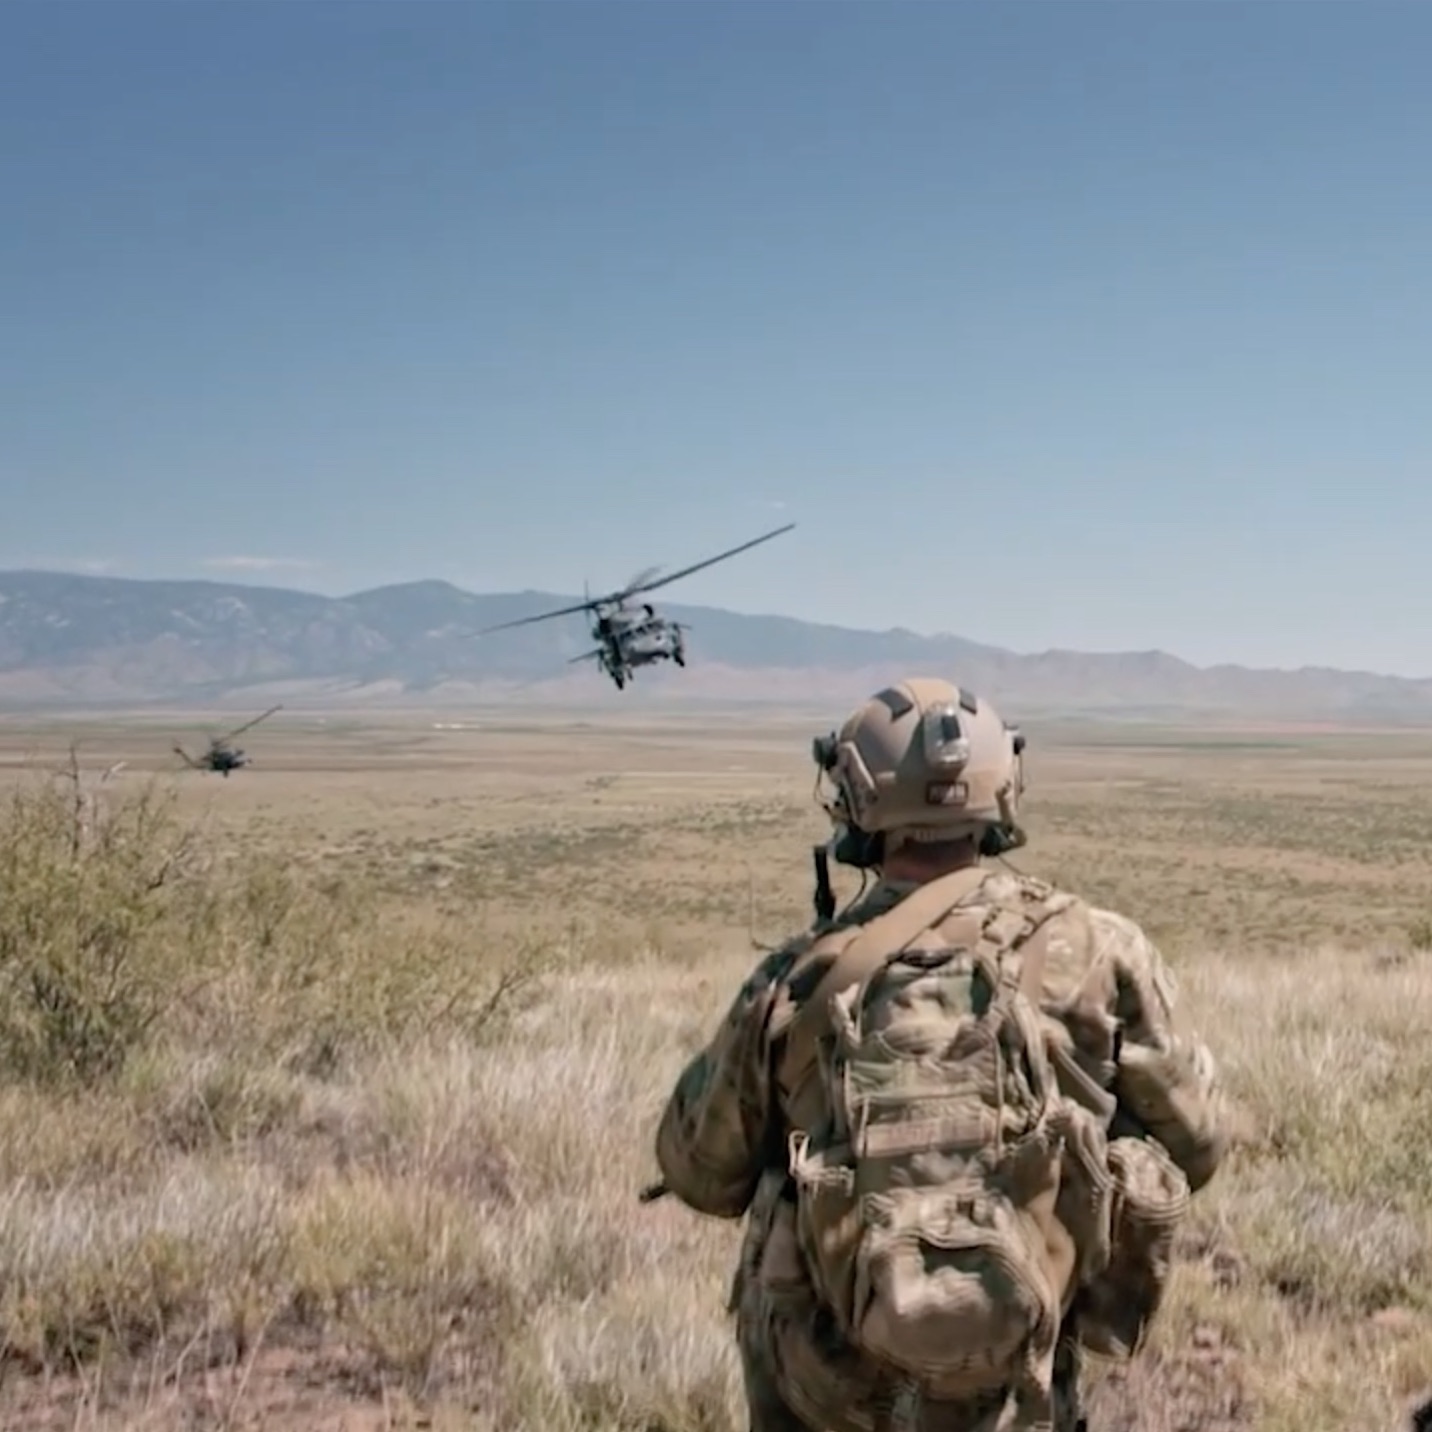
(961, 1118)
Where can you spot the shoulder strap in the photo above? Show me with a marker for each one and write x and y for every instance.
(887, 934)
(1021, 922)
(1033, 955)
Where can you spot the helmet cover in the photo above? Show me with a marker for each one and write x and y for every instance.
(923, 760)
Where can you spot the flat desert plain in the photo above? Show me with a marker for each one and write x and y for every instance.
(327, 1090)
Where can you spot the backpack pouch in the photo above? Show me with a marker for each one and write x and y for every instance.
(926, 1205)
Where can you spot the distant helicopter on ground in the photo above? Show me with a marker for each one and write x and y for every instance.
(629, 637)
(221, 756)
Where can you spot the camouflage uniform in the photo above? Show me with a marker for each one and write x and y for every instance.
(721, 1147)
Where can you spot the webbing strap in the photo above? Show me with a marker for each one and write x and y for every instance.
(888, 933)
(1034, 952)
(874, 943)
(964, 1131)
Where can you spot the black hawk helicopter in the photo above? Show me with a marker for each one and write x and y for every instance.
(221, 756)
(629, 637)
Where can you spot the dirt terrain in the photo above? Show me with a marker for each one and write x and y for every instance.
(326, 1090)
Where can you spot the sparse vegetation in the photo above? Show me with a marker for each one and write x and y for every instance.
(330, 1090)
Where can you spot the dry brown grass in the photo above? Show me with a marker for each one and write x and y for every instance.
(342, 1124)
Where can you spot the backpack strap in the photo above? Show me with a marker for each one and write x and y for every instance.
(1074, 1082)
(868, 947)
(1033, 950)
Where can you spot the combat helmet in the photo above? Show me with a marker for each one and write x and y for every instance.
(923, 760)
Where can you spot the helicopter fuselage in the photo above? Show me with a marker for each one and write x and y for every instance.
(629, 638)
(220, 756)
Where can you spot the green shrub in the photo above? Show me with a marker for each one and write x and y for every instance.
(86, 893)
(122, 930)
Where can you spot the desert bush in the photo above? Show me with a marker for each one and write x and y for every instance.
(85, 897)
(207, 1110)
(124, 931)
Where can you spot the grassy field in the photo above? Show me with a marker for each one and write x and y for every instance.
(326, 1091)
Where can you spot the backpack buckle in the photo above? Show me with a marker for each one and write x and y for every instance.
(933, 959)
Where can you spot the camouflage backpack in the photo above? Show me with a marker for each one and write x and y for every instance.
(926, 1196)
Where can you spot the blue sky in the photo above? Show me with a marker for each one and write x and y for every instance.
(1104, 326)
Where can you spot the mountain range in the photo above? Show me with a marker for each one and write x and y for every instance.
(72, 642)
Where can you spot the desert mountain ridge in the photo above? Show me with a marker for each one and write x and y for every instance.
(69, 641)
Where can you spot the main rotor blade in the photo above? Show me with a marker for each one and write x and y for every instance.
(639, 583)
(239, 730)
(635, 585)
(585, 656)
(709, 561)
(541, 617)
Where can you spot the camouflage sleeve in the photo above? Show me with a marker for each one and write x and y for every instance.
(716, 1132)
(1165, 1080)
